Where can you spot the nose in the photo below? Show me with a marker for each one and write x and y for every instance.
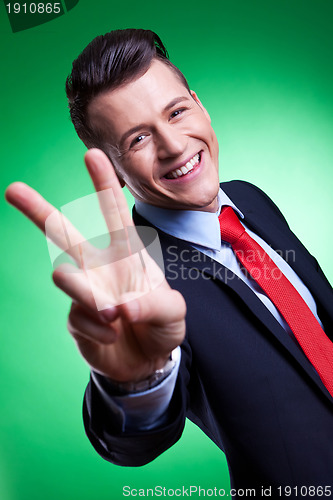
(170, 142)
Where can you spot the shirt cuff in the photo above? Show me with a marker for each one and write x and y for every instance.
(145, 410)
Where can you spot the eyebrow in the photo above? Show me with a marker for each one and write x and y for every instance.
(137, 128)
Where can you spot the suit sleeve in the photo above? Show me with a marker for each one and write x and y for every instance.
(103, 422)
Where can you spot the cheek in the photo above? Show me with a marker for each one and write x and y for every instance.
(202, 129)
(212, 142)
(215, 144)
(137, 170)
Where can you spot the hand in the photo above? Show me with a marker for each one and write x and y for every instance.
(125, 326)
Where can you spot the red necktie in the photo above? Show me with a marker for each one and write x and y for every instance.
(316, 345)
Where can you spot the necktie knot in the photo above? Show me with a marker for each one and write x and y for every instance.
(231, 228)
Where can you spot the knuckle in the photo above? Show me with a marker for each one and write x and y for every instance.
(74, 328)
(74, 317)
(70, 327)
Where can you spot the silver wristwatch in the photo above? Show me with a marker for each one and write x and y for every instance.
(153, 380)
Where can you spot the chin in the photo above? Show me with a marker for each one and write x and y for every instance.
(207, 199)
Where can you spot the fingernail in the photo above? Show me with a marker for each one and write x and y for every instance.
(108, 313)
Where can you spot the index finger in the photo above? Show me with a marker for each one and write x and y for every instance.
(47, 218)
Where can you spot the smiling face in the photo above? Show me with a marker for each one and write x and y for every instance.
(167, 151)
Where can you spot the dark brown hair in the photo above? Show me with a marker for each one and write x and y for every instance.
(109, 61)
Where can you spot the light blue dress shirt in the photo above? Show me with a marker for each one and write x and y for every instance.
(202, 231)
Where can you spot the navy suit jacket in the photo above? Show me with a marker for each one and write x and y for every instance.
(242, 379)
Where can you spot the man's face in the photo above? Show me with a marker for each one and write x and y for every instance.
(167, 149)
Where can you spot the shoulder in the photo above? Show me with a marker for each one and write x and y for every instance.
(248, 197)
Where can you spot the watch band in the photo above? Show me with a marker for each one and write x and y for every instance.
(123, 388)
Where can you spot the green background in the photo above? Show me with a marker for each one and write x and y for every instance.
(264, 71)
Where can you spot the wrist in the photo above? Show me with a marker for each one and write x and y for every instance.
(149, 382)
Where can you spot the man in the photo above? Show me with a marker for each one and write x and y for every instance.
(246, 375)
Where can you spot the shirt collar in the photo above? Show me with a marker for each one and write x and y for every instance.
(198, 228)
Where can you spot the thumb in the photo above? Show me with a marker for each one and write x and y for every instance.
(160, 307)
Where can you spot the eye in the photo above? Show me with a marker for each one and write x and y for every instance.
(177, 112)
(137, 139)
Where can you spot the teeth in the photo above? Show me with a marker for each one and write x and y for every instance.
(178, 172)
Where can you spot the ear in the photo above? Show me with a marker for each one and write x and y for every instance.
(197, 100)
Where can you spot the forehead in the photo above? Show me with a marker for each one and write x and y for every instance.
(141, 100)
